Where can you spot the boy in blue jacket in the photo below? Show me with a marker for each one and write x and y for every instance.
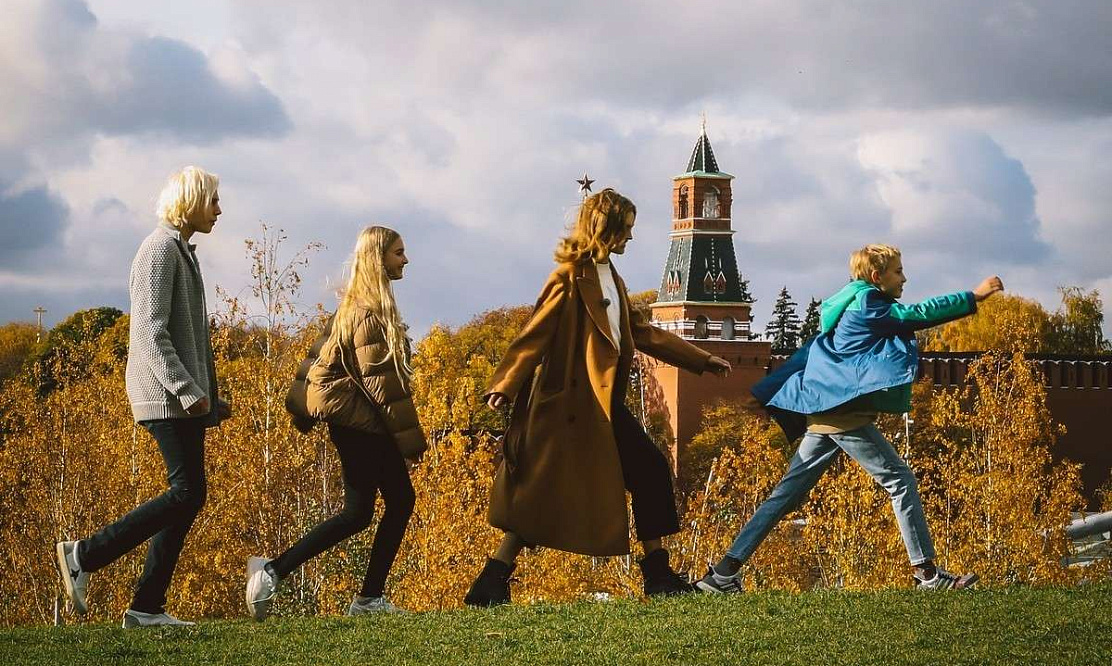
(862, 363)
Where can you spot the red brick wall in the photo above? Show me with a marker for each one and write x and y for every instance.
(686, 394)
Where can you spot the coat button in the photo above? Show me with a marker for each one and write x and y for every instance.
(574, 383)
(571, 418)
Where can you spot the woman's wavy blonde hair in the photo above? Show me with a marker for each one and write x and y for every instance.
(186, 192)
(368, 289)
(599, 226)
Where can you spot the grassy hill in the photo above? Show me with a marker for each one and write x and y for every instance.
(1007, 626)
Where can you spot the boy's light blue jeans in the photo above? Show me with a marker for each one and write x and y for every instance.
(815, 454)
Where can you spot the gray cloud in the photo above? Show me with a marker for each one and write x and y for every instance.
(956, 193)
(66, 78)
(173, 90)
(1045, 57)
(31, 221)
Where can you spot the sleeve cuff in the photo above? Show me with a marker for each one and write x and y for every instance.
(191, 396)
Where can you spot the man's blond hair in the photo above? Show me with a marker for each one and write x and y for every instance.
(871, 258)
(187, 192)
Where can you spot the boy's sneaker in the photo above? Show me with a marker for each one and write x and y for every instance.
(659, 578)
(75, 580)
(944, 580)
(717, 584)
(261, 587)
(134, 619)
(492, 586)
(367, 605)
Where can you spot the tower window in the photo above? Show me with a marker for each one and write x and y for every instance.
(727, 328)
(701, 327)
(714, 284)
(681, 205)
(673, 283)
(710, 202)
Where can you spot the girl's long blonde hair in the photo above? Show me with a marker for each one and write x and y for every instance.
(598, 227)
(369, 288)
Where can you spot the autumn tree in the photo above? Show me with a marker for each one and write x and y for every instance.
(57, 358)
(1077, 326)
(69, 463)
(261, 333)
(1012, 323)
(17, 341)
(1005, 322)
(452, 368)
(997, 498)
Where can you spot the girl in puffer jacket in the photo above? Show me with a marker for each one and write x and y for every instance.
(359, 386)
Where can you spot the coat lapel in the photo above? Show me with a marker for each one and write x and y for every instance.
(590, 291)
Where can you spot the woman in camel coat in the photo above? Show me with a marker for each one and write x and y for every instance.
(572, 448)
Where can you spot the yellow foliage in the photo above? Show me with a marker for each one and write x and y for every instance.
(1004, 322)
(17, 339)
(998, 499)
(748, 460)
(73, 461)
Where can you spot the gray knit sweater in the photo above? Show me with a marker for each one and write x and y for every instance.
(169, 358)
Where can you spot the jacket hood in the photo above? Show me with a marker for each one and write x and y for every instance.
(836, 305)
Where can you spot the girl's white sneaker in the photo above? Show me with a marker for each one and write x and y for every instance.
(365, 605)
(134, 619)
(261, 587)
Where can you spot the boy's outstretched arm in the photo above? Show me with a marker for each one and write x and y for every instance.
(887, 317)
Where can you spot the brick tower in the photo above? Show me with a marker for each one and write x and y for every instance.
(702, 297)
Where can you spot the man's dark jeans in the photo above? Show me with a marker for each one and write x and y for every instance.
(165, 520)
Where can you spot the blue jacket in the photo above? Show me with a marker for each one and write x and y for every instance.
(866, 352)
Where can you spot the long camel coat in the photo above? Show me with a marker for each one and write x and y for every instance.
(560, 482)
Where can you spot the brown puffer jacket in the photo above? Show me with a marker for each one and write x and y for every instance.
(382, 405)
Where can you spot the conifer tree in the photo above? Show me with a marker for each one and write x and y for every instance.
(811, 323)
(744, 286)
(783, 328)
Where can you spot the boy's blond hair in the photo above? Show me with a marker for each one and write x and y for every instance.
(875, 257)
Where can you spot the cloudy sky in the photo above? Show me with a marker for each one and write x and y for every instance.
(974, 135)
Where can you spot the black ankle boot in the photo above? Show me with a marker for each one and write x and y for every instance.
(492, 587)
(659, 578)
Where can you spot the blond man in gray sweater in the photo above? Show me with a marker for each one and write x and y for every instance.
(171, 385)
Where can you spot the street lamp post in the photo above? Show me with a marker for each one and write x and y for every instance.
(39, 312)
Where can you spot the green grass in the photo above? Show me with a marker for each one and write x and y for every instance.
(1018, 625)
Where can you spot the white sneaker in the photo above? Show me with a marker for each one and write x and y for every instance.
(261, 587)
(365, 605)
(75, 580)
(134, 619)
